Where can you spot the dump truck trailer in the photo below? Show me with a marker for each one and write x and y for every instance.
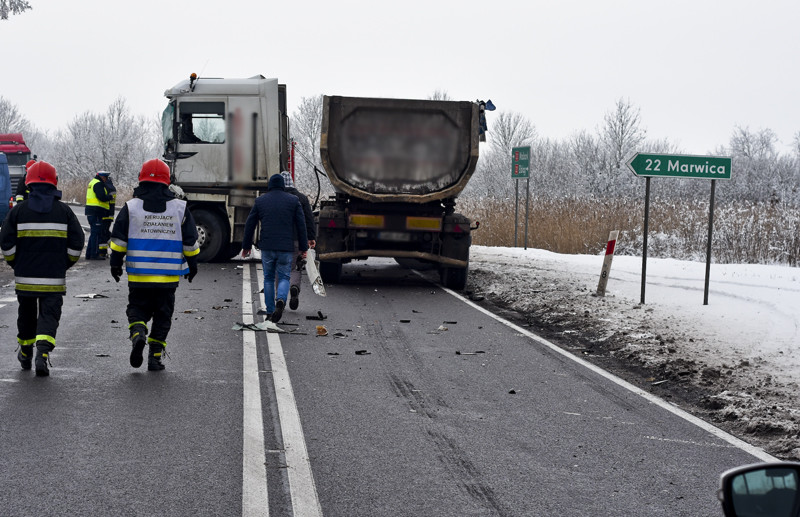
(397, 167)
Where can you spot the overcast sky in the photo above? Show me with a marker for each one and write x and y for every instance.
(696, 68)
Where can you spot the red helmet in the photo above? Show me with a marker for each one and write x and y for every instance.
(155, 170)
(41, 172)
(28, 165)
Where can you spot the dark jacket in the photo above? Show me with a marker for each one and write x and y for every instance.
(281, 217)
(102, 193)
(154, 197)
(311, 230)
(22, 190)
(111, 204)
(41, 238)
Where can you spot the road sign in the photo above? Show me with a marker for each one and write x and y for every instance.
(681, 166)
(521, 162)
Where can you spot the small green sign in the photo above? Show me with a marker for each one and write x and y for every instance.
(681, 166)
(521, 162)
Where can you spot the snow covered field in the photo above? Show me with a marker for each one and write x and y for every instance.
(735, 356)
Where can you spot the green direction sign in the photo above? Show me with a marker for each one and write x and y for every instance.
(681, 166)
(521, 162)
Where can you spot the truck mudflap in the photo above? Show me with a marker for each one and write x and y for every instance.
(340, 255)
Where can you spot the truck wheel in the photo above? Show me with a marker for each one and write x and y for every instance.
(454, 278)
(212, 235)
(331, 272)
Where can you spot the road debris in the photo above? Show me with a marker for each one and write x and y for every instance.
(450, 322)
(405, 321)
(90, 296)
(339, 335)
(318, 317)
(321, 330)
(267, 326)
(512, 392)
(442, 328)
(363, 352)
(191, 311)
(102, 355)
(476, 352)
(333, 353)
(312, 270)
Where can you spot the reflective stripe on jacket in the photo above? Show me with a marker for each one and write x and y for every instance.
(41, 247)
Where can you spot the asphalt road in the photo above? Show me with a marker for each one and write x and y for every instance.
(389, 414)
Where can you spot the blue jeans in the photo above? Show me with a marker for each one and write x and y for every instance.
(277, 266)
(96, 226)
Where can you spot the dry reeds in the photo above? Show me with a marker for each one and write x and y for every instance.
(763, 233)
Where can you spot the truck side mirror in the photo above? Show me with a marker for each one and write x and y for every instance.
(761, 489)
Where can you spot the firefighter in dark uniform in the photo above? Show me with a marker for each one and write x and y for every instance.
(97, 206)
(41, 238)
(22, 188)
(108, 219)
(158, 234)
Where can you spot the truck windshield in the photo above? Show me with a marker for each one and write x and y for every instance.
(166, 123)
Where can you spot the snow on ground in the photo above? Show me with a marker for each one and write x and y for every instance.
(732, 360)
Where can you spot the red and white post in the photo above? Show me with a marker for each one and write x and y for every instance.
(612, 244)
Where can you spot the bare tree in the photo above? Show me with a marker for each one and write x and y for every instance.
(306, 131)
(621, 132)
(11, 120)
(440, 95)
(115, 141)
(13, 7)
(796, 144)
(510, 129)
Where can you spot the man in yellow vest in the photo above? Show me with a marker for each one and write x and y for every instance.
(98, 200)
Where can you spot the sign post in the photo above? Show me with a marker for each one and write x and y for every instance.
(680, 166)
(520, 168)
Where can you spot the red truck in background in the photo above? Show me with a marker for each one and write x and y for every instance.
(17, 153)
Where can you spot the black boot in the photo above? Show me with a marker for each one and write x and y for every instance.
(154, 363)
(276, 316)
(138, 340)
(43, 349)
(294, 297)
(25, 356)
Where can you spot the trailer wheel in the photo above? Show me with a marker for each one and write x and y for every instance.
(212, 235)
(454, 278)
(331, 272)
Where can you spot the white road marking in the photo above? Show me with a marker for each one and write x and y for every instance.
(303, 490)
(719, 433)
(255, 499)
(2, 305)
(8, 300)
(689, 442)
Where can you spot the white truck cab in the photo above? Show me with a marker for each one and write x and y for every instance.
(223, 139)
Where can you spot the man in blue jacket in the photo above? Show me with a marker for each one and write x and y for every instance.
(280, 215)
